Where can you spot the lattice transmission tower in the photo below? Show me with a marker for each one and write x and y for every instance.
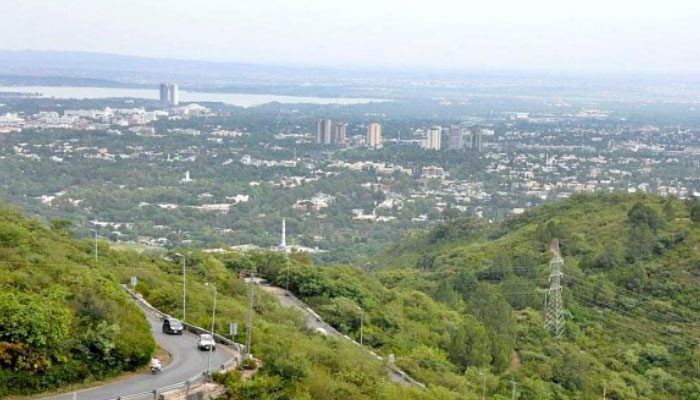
(553, 303)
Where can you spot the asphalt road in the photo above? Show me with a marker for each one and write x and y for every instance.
(186, 362)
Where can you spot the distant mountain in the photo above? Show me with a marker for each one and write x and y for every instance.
(132, 69)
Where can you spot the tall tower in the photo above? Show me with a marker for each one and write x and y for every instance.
(283, 241)
(456, 138)
(433, 140)
(476, 141)
(340, 132)
(323, 131)
(164, 93)
(553, 303)
(374, 135)
(174, 94)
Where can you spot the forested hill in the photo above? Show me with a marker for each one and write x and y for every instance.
(631, 290)
(461, 306)
(63, 318)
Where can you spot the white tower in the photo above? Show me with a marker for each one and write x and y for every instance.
(283, 243)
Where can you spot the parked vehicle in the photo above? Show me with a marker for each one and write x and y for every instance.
(172, 326)
(206, 342)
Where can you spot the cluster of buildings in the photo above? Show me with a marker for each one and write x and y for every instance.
(102, 119)
(329, 133)
(169, 94)
(458, 138)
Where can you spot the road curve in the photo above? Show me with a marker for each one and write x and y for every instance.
(186, 362)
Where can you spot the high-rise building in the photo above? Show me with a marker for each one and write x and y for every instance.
(476, 141)
(433, 139)
(340, 132)
(164, 93)
(374, 135)
(174, 94)
(455, 139)
(323, 131)
(169, 94)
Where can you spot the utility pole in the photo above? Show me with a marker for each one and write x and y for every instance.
(554, 305)
(362, 326)
(515, 385)
(483, 386)
(211, 348)
(184, 291)
(249, 317)
(286, 284)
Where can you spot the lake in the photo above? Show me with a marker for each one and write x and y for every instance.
(236, 99)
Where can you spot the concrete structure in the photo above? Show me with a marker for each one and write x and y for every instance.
(374, 135)
(456, 138)
(283, 242)
(323, 131)
(174, 94)
(164, 93)
(169, 94)
(340, 132)
(433, 139)
(476, 141)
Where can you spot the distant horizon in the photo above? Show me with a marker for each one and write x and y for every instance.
(610, 72)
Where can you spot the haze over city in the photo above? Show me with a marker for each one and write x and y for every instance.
(358, 200)
(550, 35)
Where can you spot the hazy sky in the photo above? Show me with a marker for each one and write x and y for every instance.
(552, 34)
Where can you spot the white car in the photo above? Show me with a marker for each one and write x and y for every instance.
(206, 342)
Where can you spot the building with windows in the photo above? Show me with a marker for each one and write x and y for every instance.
(433, 139)
(340, 132)
(455, 139)
(323, 131)
(476, 138)
(374, 135)
(169, 94)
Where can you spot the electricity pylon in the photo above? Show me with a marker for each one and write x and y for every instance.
(553, 303)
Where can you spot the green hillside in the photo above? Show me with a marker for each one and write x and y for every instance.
(63, 317)
(462, 305)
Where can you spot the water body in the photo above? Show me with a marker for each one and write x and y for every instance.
(236, 99)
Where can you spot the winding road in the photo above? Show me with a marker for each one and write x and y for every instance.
(186, 362)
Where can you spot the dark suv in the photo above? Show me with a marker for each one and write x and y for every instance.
(172, 326)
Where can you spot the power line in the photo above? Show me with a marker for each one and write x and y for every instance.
(553, 303)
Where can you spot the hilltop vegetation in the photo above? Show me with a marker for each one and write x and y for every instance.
(459, 306)
(463, 303)
(63, 318)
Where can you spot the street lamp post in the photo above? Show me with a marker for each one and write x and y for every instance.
(483, 386)
(184, 288)
(213, 315)
(362, 324)
(95, 230)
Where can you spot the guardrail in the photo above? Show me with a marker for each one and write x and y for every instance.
(189, 327)
(335, 332)
(194, 381)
